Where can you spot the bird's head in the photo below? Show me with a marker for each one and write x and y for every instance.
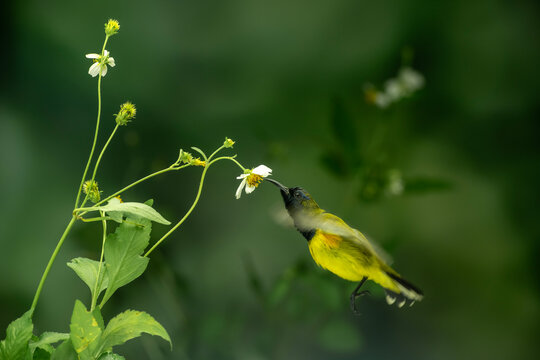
(296, 199)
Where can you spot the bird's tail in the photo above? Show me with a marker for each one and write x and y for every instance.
(406, 292)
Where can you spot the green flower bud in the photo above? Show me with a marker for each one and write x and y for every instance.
(112, 27)
(126, 114)
(228, 143)
(91, 189)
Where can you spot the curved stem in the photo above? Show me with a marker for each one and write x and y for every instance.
(95, 293)
(215, 152)
(99, 160)
(96, 132)
(229, 158)
(51, 261)
(201, 183)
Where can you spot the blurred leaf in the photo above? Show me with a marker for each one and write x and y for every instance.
(111, 356)
(133, 208)
(85, 331)
(129, 325)
(344, 127)
(336, 162)
(254, 280)
(18, 334)
(87, 270)
(123, 251)
(426, 184)
(340, 336)
(64, 351)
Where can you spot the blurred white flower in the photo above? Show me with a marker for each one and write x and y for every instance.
(412, 80)
(252, 179)
(100, 63)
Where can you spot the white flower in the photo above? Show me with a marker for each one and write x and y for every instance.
(100, 63)
(412, 80)
(252, 179)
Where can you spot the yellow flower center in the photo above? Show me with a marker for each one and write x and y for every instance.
(254, 179)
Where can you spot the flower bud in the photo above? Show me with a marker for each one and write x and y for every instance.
(185, 157)
(228, 143)
(126, 113)
(112, 27)
(91, 189)
(198, 162)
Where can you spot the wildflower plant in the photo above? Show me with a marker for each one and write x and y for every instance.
(124, 255)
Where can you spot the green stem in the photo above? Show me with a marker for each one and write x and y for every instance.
(51, 261)
(99, 160)
(229, 158)
(96, 132)
(95, 293)
(215, 152)
(201, 183)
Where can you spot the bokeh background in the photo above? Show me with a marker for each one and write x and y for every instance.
(445, 180)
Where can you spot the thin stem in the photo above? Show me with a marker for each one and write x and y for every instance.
(95, 293)
(201, 183)
(51, 261)
(96, 132)
(229, 158)
(215, 152)
(93, 208)
(99, 160)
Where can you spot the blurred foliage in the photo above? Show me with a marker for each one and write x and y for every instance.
(286, 82)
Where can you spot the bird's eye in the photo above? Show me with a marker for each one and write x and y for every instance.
(298, 194)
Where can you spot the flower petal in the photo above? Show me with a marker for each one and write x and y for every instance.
(262, 170)
(92, 56)
(240, 188)
(249, 189)
(110, 62)
(103, 70)
(105, 53)
(242, 176)
(94, 69)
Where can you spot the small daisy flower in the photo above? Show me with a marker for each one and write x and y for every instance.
(252, 178)
(100, 63)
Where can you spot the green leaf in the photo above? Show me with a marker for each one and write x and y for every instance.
(44, 342)
(64, 352)
(18, 334)
(111, 356)
(86, 329)
(87, 270)
(133, 208)
(123, 251)
(129, 325)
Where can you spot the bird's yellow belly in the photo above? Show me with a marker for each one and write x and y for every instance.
(331, 253)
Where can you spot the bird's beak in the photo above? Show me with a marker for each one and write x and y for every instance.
(282, 187)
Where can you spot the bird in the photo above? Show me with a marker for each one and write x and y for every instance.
(343, 250)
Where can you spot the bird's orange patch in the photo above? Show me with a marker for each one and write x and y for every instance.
(331, 240)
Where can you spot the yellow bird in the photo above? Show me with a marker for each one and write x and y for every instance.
(345, 251)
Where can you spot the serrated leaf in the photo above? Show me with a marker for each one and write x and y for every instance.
(18, 334)
(87, 270)
(85, 331)
(129, 325)
(123, 251)
(64, 351)
(133, 208)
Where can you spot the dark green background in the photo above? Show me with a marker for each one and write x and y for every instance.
(285, 80)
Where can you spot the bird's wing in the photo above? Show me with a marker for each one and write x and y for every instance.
(335, 225)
